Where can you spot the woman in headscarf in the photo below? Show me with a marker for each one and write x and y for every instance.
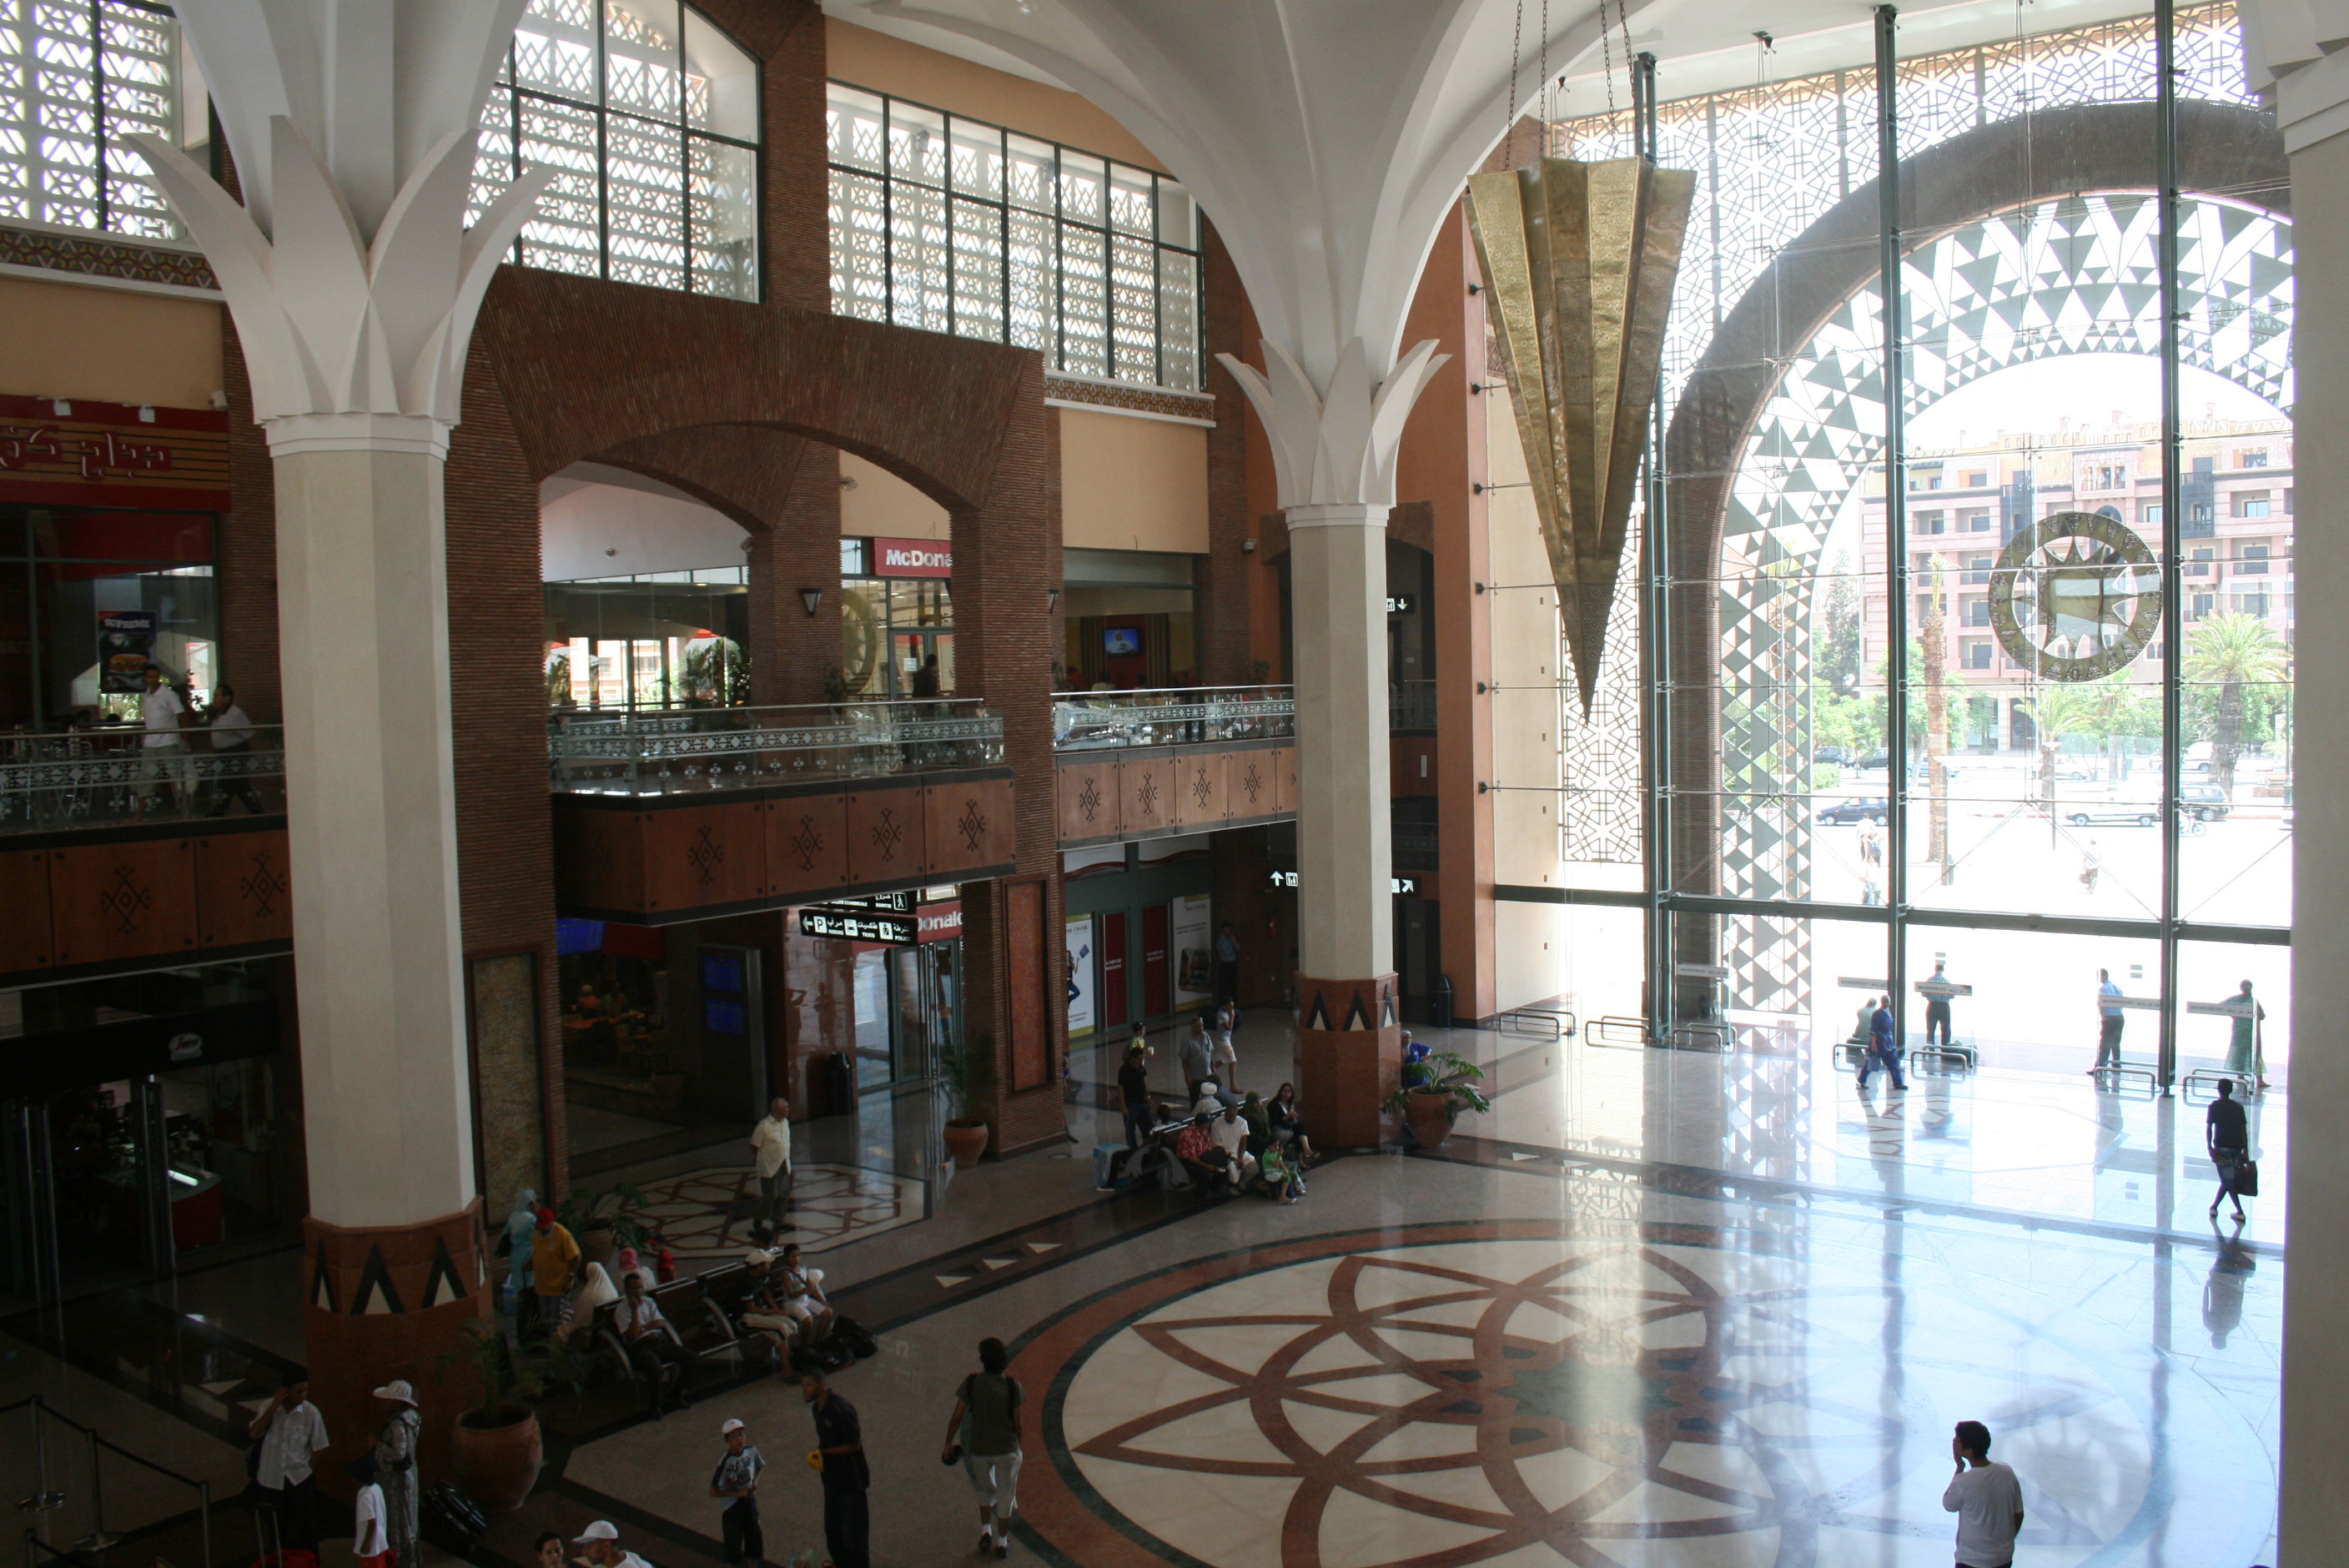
(595, 1289)
(395, 1458)
(520, 1224)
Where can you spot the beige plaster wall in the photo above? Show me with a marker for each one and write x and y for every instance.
(1530, 962)
(865, 59)
(880, 504)
(1132, 484)
(112, 345)
(2316, 1516)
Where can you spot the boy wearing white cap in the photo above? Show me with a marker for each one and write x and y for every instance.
(602, 1541)
(736, 1479)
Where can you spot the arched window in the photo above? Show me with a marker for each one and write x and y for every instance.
(651, 113)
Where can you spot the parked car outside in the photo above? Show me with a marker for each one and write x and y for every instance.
(1845, 813)
(2205, 802)
(2137, 813)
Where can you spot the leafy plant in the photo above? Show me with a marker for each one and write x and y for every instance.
(970, 1075)
(608, 1209)
(2235, 653)
(1450, 1074)
(513, 1376)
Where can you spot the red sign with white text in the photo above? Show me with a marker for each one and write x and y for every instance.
(79, 453)
(912, 558)
(940, 922)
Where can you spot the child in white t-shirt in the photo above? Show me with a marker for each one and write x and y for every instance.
(370, 1537)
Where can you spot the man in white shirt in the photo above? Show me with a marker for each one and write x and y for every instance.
(291, 1430)
(771, 1149)
(160, 749)
(232, 737)
(1987, 1500)
(1230, 1135)
(644, 1331)
(603, 1547)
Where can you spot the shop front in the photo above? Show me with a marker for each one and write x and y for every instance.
(1140, 933)
(146, 1128)
(878, 980)
(898, 617)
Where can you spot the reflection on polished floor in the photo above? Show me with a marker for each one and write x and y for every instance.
(1659, 1308)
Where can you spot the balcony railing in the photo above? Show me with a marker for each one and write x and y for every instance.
(683, 750)
(1184, 716)
(109, 776)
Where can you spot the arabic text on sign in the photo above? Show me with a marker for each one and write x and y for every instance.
(1942, 988)
(96, 456)
(1703, 971)
(2224, 1009)
(1852, 983)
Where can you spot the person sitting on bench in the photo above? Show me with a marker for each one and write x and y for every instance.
(645, 1333)
(802, 1294)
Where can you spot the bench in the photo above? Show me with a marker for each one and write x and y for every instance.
(691, 1319)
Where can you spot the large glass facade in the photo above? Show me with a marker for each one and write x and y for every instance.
(951, 224)
(1972, 607)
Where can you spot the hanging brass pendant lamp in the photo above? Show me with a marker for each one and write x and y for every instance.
(1579, 260)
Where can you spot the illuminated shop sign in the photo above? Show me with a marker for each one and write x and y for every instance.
(859, 925)
(912, 558)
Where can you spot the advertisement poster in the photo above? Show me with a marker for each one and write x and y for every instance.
(126, 645)
(1195, 960)
(1081, 975)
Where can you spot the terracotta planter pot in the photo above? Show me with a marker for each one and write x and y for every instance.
(1428, 1114)
(595, 1244)
(497, 1466)
(965, 1140)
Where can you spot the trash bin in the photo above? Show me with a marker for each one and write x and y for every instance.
(1439, 1002)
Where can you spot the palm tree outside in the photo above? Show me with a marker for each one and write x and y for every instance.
(2231, 651)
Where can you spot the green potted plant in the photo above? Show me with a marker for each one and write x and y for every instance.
(496, 1449)
(600, 1221)
(1428, 1106)
(970, 1073)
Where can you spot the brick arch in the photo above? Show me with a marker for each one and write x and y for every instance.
(2074, 151)
(587, 368)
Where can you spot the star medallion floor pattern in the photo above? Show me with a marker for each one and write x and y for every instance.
(1620, 1395)
(704, 1216)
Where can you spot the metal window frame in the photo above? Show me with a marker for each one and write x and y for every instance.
(1657, 900)
(1055, 310)
(687, 137)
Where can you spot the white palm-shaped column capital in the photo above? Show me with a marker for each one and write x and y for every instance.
(1335, 445)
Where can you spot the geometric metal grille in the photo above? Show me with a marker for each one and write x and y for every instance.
(76, 76)
(950, 224)
(650, 118)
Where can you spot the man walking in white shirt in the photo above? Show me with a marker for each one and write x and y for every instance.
(1987, 1500)
(771, 1149)
(291, 1430)
(160, 711)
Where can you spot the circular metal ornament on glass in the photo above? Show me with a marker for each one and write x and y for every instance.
(2075, 596)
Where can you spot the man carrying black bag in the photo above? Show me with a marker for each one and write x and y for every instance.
(2228, 1136)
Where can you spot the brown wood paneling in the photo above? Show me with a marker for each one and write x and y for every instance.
(25, 940)
(697, 856)
(111, 901)
(1284, 777)
(599, 858)
(1089, 798)
(1031, 1028)
(968, 824)
(807, 844)
(1147, 794)
(1252, 784)
(244, 891)
(884, 835)
(1201, 789)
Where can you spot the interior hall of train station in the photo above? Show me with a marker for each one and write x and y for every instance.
(1338, 783)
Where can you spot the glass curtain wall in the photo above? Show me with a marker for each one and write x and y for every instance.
(1975, 616)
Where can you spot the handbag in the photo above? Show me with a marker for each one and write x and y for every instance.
(2247, 1179)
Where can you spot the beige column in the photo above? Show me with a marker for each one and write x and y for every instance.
(1348, 1031)
(2315, 1517)
(363, 606)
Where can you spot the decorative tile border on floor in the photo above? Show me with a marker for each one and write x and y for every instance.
(1695, 1181)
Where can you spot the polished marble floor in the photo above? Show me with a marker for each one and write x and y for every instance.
(1658, 1309)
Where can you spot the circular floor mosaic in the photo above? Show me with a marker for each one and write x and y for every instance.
(1499, 1394)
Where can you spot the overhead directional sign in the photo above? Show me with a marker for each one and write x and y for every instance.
(1703, 971)
(1854, 982)
(1942, 988)
(859, 925)
(2136, 1003)
(2245, 1008)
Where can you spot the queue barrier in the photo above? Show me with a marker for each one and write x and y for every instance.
(1551, 1023)
(1628, 1033)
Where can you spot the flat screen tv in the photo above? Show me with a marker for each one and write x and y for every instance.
(1122, 642)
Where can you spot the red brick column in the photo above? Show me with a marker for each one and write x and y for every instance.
(1349, 1057)
(1006, 554)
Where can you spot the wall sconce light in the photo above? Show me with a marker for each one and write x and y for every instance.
(811, 597)
(1248, 547)
(1052, 600)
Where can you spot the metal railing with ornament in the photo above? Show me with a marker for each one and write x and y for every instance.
(685, 750)
(108, 775)
(1184, 716)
